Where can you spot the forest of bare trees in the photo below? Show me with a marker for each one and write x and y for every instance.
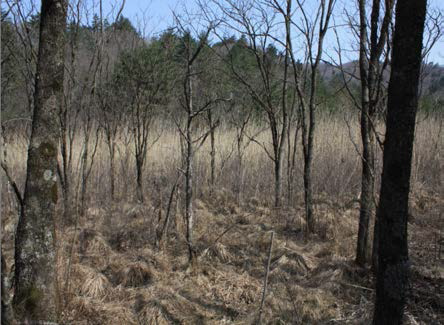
(255, 162)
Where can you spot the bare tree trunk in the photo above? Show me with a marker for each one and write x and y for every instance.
(212, 150)
(139, 179)
(314, 56)
(65, 173)
(164, 232)
(308, 194)
(189, 193)
(370, 52)
(112, 155)
(36, 290)
(6, 312)
(393, 267)
(68, 129)
(308, 158)
(84, 171)
(277, 181)
(291, 161)
(239, 181)
(87, 163)
(367, 188)
(375, 247)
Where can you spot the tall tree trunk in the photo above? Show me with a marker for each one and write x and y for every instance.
(67, 209)
(139, 178)
(6, 312)
(84, 184)
(212, 151)
(375, 247)
(291, 161)
(393, 266)
(112, 154)
(189, 195)
(239, 172)
(370, 51)
(367, 187)
(65, 174)
(277, 181)
(36, 290)
(307, 140)
(308, 194)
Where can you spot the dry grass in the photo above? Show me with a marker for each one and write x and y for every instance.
(118, 275)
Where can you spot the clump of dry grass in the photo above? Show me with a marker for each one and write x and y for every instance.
(88, 282)
(98, 312)
(218, 251)
(129, 274)
(93, 248)
(150, 313)
(136, 274)
(314, 305)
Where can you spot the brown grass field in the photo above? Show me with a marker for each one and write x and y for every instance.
(111, 271)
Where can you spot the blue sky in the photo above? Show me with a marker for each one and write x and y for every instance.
(158, 17)
(152, 17)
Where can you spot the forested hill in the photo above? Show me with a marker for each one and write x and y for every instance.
(432, 81)
(126, 52)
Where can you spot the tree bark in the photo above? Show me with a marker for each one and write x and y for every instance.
(6, 312)
(239, 172)
(307, 141)
(112, 154)
(84, 172)
(65, 173)
(367, 183)
(36, 290)
(277, 182)
(139, 179)
(212, 127)
(371, 74)
(192, 257)
(367, 191)
(393, 266)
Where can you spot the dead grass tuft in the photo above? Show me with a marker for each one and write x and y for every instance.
(218, 251)
(135, 274)
(87, 282)
(314, 305)
(97, 312)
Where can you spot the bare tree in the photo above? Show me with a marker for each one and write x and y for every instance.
(371, 76)
(112, 120)
(143, 79)
(191, 50)
(36, 290)
(90, 100)
(68, 115)
(393, 259)
(240, 116)
(373, 61)
(23, 52)
(256, 23)
(110, 104)
(313, 31)
(373, 34)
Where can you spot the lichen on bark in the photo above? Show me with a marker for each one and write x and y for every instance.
(35, 299)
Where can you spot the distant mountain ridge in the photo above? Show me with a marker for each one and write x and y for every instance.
(432, 76)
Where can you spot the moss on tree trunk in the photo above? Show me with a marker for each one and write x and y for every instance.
(36, 296)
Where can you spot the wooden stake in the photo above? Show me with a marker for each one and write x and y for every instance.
(267, 270)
